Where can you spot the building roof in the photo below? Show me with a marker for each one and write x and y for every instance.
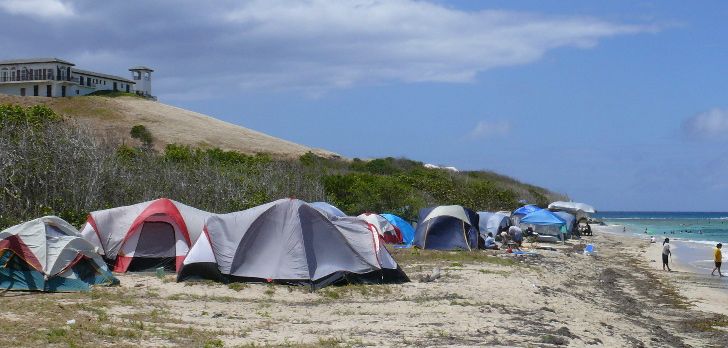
(34, 60)
(140, 67)
(104, 76)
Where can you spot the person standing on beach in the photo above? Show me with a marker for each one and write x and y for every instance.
(718, 258)
(666, 254)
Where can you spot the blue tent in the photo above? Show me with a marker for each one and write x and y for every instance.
(450, 227)
(542, 217)
(328, 209)
(526, 209)
(405, 228)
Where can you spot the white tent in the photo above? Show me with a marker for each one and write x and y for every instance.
(150, 234)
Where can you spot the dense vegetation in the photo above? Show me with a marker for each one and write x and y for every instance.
(49, 165)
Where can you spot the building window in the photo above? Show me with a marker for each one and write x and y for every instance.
(49, 91)
(22, 92)
(35, 90)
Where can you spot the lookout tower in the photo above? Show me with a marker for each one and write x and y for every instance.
(142, 76)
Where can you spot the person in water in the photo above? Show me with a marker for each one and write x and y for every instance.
(718, 258)
(666, 254)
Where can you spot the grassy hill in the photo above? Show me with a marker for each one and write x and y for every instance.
(114, 116)
(109, 157)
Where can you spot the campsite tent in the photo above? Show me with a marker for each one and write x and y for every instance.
(449, 227)
(405, 228)
(570, 220)
(147, 235)
(384, 228)
(48, 254)
(289, 241)
(328, 209)
(492, 222)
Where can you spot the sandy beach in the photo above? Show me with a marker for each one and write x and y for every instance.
(617, 298)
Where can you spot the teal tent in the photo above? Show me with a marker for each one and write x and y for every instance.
(48, 254)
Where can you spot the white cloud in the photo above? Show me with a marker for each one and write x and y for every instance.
(712, 124)
(46, 9)
(485, 129)
(311, 46)
(352, 41)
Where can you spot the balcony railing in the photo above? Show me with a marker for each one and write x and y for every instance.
(35, 78)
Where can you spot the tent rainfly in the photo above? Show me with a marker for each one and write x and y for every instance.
(144, 236)
(328, 209)
(48, 254)
(289, 241)
(449, 227)
(384, 228)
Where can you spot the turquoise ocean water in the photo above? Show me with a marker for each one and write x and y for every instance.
(702, 227)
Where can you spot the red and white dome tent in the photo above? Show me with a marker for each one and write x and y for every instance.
(389, 232)
(146, 235)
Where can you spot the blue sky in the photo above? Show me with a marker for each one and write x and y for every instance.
(622, 104)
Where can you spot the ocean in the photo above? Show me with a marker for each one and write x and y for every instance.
(701, 227)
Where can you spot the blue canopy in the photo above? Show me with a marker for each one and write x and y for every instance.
(328, 209)
(405, 228)
(542, 217)
(526, 209)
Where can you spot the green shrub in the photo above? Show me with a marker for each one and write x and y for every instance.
(142, 134)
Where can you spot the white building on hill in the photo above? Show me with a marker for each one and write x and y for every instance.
(53, 77)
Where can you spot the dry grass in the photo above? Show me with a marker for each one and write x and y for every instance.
(109, 116)
(115, 316)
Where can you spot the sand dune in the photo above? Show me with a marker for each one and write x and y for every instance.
(114, 117)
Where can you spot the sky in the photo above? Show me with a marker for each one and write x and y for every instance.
(620, 104)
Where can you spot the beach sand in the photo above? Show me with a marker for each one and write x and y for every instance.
(615, 298)
(691, 264)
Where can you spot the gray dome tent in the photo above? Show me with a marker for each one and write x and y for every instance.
(289, 241)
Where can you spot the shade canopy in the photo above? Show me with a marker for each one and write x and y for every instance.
(542, 217)
(572, 207)
(526, 209)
